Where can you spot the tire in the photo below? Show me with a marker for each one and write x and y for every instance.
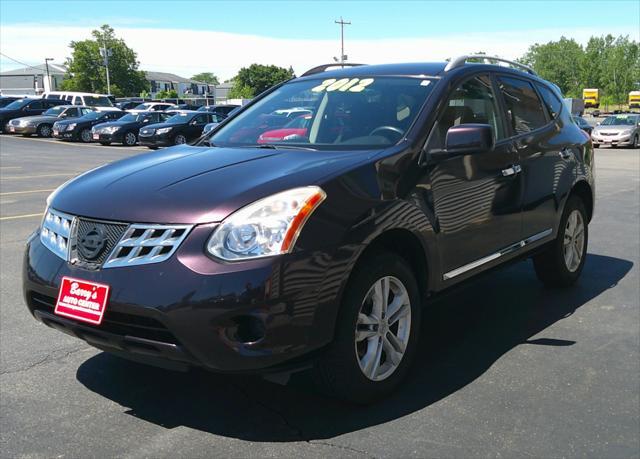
(552, 266)
(596, 145)
(179, 139)
(129, 139)
(44, 130)
(340, 370)
(635, 143)
(85, 136)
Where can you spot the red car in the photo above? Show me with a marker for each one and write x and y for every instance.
(295, 129)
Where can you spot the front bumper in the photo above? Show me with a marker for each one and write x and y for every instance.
(190, 310)
(622, 140)
(11, 129)
(156, 140)
(102, 137)
(64, 135)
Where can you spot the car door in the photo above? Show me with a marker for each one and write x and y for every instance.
(544, 149)
(476, 197)
(197, 124)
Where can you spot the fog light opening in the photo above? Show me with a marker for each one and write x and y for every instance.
(247, 329)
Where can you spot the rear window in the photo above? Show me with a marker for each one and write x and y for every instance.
(524, 109)
(554, 105)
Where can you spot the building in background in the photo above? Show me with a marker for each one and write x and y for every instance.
(162, 81)
(32, 80)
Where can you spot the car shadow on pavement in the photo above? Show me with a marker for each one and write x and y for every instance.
(463, 335)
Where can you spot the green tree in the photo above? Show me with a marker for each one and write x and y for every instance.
(255, 79)
(86, 70)
(560, 62)
(170, 94)
(206, 77)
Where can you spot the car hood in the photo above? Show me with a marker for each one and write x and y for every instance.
(120, 124)
(40, 118)
(155, 126)
(614, 128)
(186, 184)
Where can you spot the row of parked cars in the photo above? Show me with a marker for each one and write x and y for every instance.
(154, 124)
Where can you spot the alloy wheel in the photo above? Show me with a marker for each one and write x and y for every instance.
(45, 131)
(86, 135)
(574, 241)
(130, 139)
(180, 139)
(383, 328)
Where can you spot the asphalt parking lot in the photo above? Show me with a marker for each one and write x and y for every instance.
(508, 368)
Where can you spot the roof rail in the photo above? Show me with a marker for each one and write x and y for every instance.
(323, 68)
(461, 60)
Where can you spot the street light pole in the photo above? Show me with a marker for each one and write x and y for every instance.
(105, 54)
(342, 23)
(46, 64)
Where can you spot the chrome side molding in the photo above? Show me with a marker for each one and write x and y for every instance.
(507, 250)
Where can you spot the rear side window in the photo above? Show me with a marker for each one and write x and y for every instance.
(524, 109)
(37, 105)
(554, 105)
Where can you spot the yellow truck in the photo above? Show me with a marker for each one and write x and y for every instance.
(634, 99)
(591, 98)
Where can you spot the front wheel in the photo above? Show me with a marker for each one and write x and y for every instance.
(85, 136)
(376, 332)
(636, 142)
(562, 261)
(179, 139)
(44, 130)
(129, 139)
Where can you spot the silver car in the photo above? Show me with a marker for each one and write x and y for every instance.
(618, 130)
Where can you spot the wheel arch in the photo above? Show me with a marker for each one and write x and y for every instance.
(584, 191)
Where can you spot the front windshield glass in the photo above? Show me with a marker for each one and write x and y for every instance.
(348, 113)
(620, 120)
(93, 116)
(18, 104)
(180, 118)
(55, 111)
(142, 107)
(130, 117)
(97, 101)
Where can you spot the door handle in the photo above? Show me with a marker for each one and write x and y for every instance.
(565, 153)
(511, 171)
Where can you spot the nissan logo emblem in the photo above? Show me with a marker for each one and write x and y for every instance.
(92, 243)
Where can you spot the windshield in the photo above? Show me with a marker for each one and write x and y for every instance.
(348, 113)
(180, 118)
(129, 117)
(93, 116)
(142, 107)
(18, 104)
(620, 120)
(55, 111)
(97, 101)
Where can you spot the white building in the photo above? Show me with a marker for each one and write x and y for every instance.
(32, 80)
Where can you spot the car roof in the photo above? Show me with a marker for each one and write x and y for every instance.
(403, 69)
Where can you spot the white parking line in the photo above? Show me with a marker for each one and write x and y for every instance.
(80, 145)
(10, 167)
(18, 177)
(10, 193)
(16, 217)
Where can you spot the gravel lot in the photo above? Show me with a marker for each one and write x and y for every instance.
(508, 368)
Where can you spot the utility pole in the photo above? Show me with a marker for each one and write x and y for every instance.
(106, 53)
(342, 23)
(46, 64)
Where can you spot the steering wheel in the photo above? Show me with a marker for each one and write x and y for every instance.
(393, 129)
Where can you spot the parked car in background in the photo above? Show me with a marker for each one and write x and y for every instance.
(87, 99)
(187, 107)
(222, 109)
(43, 124)
(6, 100)
(125, 130)
(26, 107)
(296, 129)
(152, 107)
(584, 125)
(79, 129)
(181, 128)
(617, 131)
(321, 253)
(292, 112)
(128, 104)
(217, 119)
(576, 106)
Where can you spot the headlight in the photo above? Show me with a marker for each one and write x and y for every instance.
(110, 129)
(163, 130)
(267, 227)
(626, 132)
(23, 123)
(71, 127)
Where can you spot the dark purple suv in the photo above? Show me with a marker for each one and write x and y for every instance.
(321, 249)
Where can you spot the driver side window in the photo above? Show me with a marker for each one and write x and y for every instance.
(472, 102)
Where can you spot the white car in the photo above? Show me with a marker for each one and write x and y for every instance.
(152, 107)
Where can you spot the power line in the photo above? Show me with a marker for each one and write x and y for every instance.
(21, 63)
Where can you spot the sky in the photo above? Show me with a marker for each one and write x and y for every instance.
(188, 37)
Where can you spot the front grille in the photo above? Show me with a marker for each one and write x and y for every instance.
(112, 233)
(608, 133)
(117, 323)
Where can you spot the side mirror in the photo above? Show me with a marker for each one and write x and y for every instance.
(193, 123)
(469, 139)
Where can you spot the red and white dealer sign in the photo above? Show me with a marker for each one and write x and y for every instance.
(82, 300)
